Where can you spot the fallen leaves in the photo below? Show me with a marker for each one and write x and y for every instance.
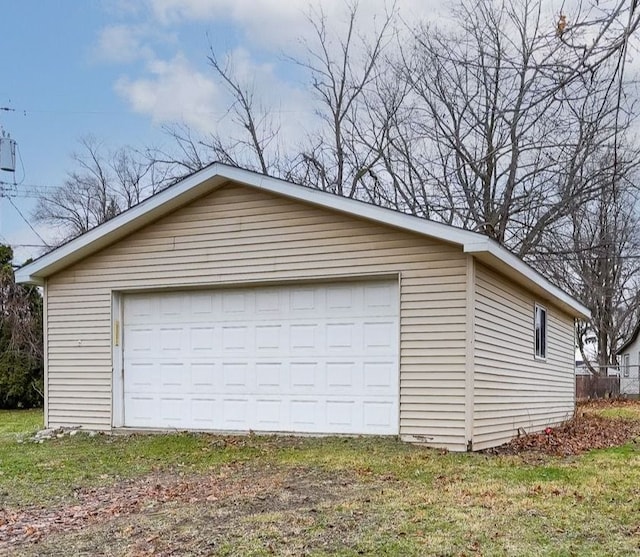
(583, 433)
(97, 504)
(234, 485)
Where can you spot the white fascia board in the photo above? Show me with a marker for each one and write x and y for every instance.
(492, 253)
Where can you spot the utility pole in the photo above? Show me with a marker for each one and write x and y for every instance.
(7, 148)
(7, 158)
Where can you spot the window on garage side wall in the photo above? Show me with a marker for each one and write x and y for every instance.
(540, 331)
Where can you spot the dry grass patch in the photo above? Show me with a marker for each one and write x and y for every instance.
(212, 495)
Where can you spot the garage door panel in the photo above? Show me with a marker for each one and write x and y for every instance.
(140, 377)
(303, 377)
(235, 303)
(205, 412)
(203, 340)
(171, 306)
(204, 378)
(377, 298)
(312, 358)
(269, 413)
(170, 340)
(378, 415)
(380, 337)
(269, 302)
(378, 377)
(303, 338)
(140, 340)
(235, 413)
(269, 339)
(341, 377)
(173, 409)
(235, 339)
(270, 377)
(343, 338)
(202, 304)
(340, 414)
(341, 298)
(139, 310)
(235, 376)
(141, 410)
(173, 378)
(302, 301)
(304, 414)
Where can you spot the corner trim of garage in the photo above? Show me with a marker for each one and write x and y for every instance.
(470, 351)
(45, 341)
(117, 383)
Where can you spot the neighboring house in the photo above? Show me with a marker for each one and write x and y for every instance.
(590, 349)
(233, 301)
(629, 358)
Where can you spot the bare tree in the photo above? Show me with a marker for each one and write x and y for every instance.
(506, 121)
(342, 69)
(102, 185)
(596, 32)
(503, 144)
(250, 140)
(256, 121)
(596, 257)
(511, 128)
(189, 153)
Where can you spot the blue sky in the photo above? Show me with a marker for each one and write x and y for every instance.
(119, 70)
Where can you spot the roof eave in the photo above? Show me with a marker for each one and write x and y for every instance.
(630, 340)
(217, 174)
(496, 257)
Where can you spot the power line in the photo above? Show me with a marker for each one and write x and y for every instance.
(23, 190)
(25, 220)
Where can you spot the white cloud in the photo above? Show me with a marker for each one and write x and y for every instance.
(278, 23)
(172, 91)
(180, 89)
(121, 43)
(174, 11)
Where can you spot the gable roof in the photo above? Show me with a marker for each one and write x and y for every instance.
(630, 340)
(216, 175)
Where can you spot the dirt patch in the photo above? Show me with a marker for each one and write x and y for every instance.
(586, 431)
(232, 491)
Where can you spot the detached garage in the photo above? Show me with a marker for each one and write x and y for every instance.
(233, 301)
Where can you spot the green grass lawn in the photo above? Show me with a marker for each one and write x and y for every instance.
(324, 496)
(19, 422)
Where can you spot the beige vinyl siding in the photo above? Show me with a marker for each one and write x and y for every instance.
(238, 235)
(512, 390)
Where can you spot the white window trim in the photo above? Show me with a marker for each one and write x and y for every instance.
(543, 356)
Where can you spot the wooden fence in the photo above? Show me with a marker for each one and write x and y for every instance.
(591, 386)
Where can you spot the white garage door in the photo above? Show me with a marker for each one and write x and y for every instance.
(316, 358)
